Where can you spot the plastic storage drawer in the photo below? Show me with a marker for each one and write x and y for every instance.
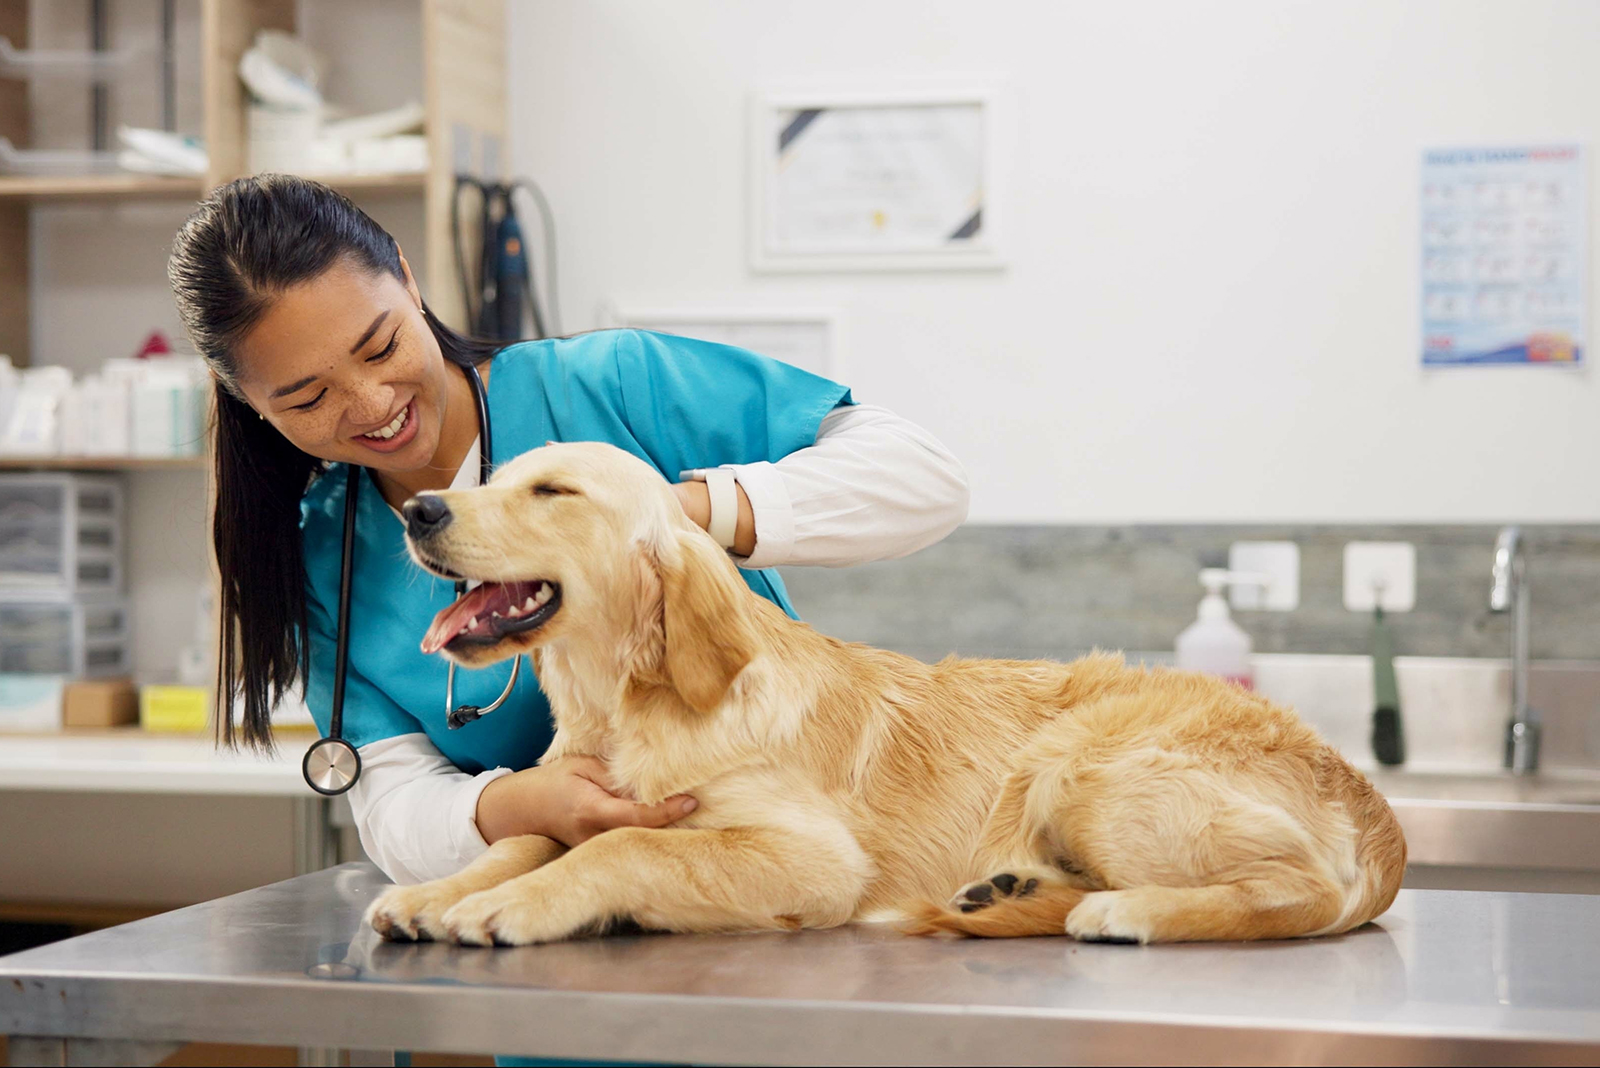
(88, 638)
(60, 535)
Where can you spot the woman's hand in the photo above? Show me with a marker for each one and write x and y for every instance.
(696, 501)
(569, 800)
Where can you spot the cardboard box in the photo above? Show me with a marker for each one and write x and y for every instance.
(101, 703)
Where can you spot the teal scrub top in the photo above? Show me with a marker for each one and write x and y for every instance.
(673, 402)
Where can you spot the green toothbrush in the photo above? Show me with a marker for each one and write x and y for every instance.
(1388, 738)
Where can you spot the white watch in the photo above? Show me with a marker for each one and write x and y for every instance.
(719, 481)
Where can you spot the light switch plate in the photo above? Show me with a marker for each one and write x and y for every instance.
(1278, 562)
(1373, 565)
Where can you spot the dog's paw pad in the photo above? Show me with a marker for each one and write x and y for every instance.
(982, 894)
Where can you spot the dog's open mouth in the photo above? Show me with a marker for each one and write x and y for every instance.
(491, 612)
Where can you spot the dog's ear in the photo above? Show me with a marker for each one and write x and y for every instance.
(709, 637)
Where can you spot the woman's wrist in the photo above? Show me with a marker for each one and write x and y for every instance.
(695, 498)
(504, 810)
(568, 800)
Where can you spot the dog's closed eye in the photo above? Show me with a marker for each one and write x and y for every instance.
(551, 489)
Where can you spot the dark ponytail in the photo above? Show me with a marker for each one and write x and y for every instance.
(244, 245)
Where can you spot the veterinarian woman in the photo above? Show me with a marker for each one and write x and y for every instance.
(325, 355)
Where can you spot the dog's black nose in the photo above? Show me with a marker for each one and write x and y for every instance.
(425, 515)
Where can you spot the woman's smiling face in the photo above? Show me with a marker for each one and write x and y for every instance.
(345, 367)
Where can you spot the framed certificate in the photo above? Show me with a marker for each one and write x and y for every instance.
(887, 179)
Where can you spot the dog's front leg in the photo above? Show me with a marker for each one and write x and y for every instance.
(674, 880)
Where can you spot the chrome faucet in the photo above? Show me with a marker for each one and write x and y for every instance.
(1510, 593)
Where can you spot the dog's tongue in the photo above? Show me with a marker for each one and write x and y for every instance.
(481, 602)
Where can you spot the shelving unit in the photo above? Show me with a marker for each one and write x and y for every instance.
(461, 82)
(463, 91)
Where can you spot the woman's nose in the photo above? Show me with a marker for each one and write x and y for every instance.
(369, 409)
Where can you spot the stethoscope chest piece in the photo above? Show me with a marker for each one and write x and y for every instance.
(331, 766)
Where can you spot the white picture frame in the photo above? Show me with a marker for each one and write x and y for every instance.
(904, 176)
(808, 338)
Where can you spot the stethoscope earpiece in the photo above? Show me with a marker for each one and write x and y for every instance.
(456, 718)
(460, 717)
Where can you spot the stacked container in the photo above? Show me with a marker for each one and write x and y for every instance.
(63, 612)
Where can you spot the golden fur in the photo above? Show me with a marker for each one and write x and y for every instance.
(842, 783)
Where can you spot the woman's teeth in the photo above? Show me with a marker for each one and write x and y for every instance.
(385, 433)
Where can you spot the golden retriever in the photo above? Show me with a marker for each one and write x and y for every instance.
(842, 783)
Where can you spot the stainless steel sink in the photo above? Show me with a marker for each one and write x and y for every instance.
(1489, 829)
(1553, 787)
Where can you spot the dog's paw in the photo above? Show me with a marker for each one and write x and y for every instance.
(509, 917)
(985, 892)
(1108, 916)
(413, 913)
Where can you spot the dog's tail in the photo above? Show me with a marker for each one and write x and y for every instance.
(1042, 912)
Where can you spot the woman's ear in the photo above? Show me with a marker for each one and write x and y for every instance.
(409, 279)
(709, 636)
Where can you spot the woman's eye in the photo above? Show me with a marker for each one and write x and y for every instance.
(310, 404)
(388, 350)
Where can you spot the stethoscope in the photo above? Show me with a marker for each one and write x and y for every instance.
(332, 765)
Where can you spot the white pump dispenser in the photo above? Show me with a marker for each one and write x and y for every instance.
(1214, 643)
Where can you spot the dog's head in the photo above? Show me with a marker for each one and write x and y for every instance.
(583, 543)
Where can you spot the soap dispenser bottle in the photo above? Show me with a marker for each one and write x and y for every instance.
(1214, 643)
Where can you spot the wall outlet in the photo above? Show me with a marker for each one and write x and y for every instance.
(1276, 561)
(1374, 568)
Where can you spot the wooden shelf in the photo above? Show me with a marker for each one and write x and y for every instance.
(155, 187)
(102, 463)
(373, 183)
(99, 187)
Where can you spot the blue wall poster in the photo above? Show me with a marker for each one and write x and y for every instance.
(1504, 256)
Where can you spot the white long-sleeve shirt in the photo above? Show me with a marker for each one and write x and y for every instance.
(874, 486)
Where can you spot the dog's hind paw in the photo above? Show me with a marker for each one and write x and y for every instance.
(1109, 916)
(985, 892)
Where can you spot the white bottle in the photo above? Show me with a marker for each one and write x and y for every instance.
(1214, 643)
(10, 384)
(34, 428)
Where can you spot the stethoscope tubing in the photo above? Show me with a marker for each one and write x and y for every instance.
(332, 765)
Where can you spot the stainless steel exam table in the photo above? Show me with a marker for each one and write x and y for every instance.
(1445, 976)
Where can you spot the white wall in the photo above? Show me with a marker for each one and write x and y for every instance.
(1210, 308)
